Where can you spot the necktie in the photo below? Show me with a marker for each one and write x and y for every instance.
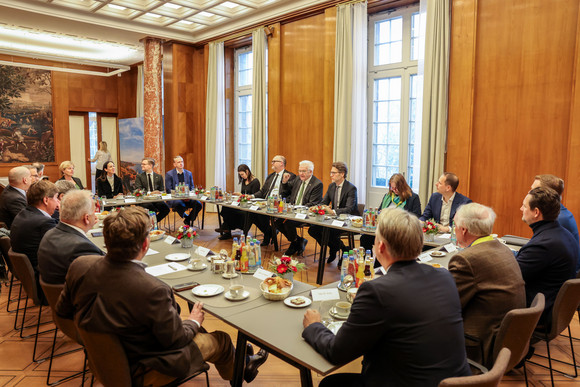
(273, 185)
(299, 198)
(150, 183)
(336, 198)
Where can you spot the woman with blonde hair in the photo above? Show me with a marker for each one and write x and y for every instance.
(101, 157)
(67, 168)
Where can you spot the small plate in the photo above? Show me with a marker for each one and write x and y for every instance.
(245, 295)
(176, 257)
(335, 326)
(337, 316)
(437, 254)
(288, 302)
(202, 267)
(227, 276)
(207, 290)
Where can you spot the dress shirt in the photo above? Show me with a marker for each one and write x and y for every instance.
(44, 212)
(276, 184)
(446, 209)
(303, 189)
(75, 228)
(23, 192)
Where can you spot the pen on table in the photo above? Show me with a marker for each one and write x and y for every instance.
(172, 267)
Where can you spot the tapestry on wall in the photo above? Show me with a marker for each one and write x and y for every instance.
(26, 130)
(131, 146)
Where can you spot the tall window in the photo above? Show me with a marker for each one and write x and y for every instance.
(393, 87)
(243, 108)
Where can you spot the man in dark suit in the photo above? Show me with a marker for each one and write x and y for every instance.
(306, 192)
(175, 177)
(271, 187)
(340, 198)
(444, 203)
(144, 316)
(34, 221)
(150, 181)
(13, 198)
(68, 240)
(406, 324)
(549, 258)
(488, 278)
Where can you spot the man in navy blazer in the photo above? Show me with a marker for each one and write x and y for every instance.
(444, 203)
(68, 240)
(175, 177)
(13, 198)
(406, 324)
(549, 258)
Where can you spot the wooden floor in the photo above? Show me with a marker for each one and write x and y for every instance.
(17, 368)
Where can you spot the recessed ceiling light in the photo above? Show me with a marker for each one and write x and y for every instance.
(171, 5)
(229, 4)
(205, 14)
(185, 22)
(152, 14)
(114, 6)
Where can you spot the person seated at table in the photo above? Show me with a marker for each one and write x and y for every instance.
(566, 219)
(232, 218)
(172, 179)
(67, 169)
(34, 176)
(33, 222)
(406, 324)
(444, 203)
(399, 195)
(40, 169)
(63, 187)
(152, 182)
(13, 198)
(144, 315)
(271, 187)
(549, 258)
(109, 184)
(340, 198)
(68, 240)
(306, 192)
(488, 278)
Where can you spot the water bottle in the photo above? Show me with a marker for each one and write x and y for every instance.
(344, 268)
(258, 253)
(153, 217)
(453, 235)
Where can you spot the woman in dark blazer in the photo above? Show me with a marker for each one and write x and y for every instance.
(109, 184)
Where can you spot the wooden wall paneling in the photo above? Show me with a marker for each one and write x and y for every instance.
(92, 93)
(200, 63)
(127, 94)
(231, 167)
(328, 118)
(274, 94)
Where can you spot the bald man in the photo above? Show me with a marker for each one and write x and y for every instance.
(13, 198)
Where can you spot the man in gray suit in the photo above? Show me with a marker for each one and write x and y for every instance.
(488, 278)
(68, 240)
(13, 198)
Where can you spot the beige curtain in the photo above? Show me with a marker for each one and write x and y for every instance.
(215, 169)
(259, 103)
(350, 93)
(140, 88)
(436, 17)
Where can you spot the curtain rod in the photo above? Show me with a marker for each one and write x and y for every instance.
(242, 33)
(352, 2)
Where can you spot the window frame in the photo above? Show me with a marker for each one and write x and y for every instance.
(239, 91)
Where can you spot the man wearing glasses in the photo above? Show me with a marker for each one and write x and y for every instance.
(271, 187)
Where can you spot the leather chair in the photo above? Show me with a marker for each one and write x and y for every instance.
(565, 307)
(109, 364)
(52, 293)
(5, 248)
(489, 379)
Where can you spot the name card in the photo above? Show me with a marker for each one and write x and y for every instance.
(169, 240)
(235, 204)
(203, 251)
(132, 200)
(203, 197)
(338, 223)
(325, 294)
(262, 274)
(151, 252)
(450, 247)
(167, 196)
(255, 208)
(300, 216)
(425, 257)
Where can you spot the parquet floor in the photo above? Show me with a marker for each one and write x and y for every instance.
(17, 368)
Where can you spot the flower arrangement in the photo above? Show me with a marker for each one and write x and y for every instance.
(430, 227)
(244, 198)
(186, 232)
(286, 265)
(318, 210)
(138, 193)
(198, 190)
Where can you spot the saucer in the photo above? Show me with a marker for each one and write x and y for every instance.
(228, 276)
(337, 316)
(202, 267)
(307, 301)
(207, 290)
(176, 257)
(437, 254)
(229, 296)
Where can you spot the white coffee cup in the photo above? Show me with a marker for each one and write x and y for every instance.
(342, 308)
(237, 291)
(343, 216)
(197, 263)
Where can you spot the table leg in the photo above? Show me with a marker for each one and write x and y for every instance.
(274, 237)
(219, 215)
(239, 360)
(305, 377)
(322, 258)
(203, 215)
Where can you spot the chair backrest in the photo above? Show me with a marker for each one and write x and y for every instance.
(565, 306)
(52, 293)
(360, 208)
(5, 248)
(490, 379)
(23, 271)
(516, 330)
(107, 358)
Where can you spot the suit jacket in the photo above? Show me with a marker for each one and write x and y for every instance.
(58, 248)
(311, 196)
(407, 324)
(490, 284)
(27, 231)
(171, 179)
(412, 205)
(142, 183)
(566, 220)
(433, 208)
(11, 203)
(104, 188)
(103, 295)
(266, 188)
(348, 198)
(547, 261)
(77, 181)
